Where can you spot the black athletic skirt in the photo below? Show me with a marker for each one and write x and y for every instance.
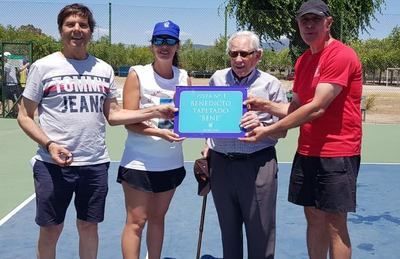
(151, 181)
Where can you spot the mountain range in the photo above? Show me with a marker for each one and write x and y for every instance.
(266, 45)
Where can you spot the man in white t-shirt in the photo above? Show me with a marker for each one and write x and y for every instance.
(11, 89)
(74, 93)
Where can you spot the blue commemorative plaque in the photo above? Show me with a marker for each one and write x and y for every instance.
(206, 111)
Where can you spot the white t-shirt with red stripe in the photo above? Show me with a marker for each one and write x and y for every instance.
(70, 95)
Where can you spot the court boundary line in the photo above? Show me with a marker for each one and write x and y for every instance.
(15, 210)
(371, 163)
(285, 162)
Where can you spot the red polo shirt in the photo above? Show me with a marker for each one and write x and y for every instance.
(338, 131)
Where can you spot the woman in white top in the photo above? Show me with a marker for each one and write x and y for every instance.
(152, 164)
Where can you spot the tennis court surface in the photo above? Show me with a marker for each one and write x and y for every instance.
(374, 228)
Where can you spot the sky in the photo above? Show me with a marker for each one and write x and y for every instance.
(386, 21)
(201, 21)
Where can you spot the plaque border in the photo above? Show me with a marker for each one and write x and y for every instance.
(177, 99)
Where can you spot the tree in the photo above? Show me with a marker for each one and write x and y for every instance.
(30, 29)
(377, 55)
(42, 44)
(274, 19)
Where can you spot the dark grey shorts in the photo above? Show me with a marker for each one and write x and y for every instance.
(152, 181)
(55, 186)
(328, 184)
(12, 91)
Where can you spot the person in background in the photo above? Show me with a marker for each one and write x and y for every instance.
(244, 176)
(10, 73)
(152, 163)
(74, 94)
(23, 73)
(11, 83)
(326, 105)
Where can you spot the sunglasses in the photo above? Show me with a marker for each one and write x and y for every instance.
(164, 41)
(243, 54)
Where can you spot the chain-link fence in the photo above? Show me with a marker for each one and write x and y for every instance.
(129, 28)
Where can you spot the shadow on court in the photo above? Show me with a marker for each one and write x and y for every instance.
(374, 228)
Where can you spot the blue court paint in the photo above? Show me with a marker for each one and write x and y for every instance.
(374, 228)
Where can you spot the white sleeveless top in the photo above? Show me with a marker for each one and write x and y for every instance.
(151, 153)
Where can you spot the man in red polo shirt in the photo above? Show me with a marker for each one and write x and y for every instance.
(326, 105)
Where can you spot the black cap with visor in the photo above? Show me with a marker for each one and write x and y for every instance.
(317, 7)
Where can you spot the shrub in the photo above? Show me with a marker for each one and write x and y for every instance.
(370, 101)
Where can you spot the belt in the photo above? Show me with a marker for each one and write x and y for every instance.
(240, 156)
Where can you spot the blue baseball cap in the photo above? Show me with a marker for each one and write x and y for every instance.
(166, 28)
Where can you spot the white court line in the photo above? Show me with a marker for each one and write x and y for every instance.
(380, 163)
(14, 211)
(362, 163)
(284, 162)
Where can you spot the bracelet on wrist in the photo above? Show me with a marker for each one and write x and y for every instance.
(48, 144)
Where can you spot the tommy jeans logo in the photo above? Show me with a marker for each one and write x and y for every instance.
(77, 93)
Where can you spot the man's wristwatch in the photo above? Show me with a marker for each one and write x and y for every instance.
(48, 144)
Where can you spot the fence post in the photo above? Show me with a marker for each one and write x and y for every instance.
(109, 23)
